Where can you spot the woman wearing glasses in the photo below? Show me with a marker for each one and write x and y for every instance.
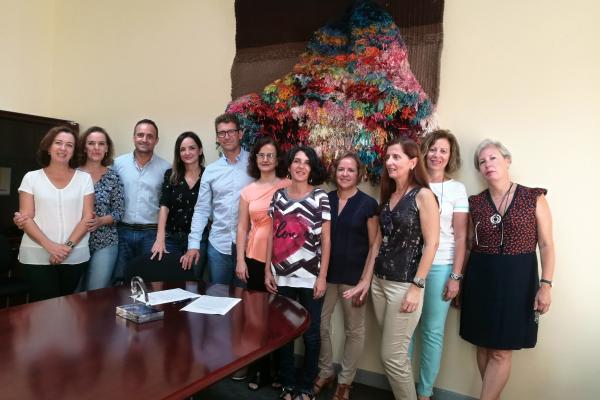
(442, 157)
(254, 227)
(502, 296)
(254, 223)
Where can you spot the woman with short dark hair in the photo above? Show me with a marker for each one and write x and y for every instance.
(298, 251)
(266, 165)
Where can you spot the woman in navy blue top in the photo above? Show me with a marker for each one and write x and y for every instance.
(354, 233)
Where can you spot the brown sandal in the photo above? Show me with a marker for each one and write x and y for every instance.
(321, 383)
(342, 392)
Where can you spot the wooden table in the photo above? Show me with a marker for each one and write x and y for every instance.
(75, 347)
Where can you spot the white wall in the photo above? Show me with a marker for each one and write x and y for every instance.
(524, 72)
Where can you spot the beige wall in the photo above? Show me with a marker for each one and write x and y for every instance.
(520, 71)
(27, 30)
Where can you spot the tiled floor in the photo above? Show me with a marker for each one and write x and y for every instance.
(228, 389)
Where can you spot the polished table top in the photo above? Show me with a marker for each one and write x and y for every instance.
(75, 347)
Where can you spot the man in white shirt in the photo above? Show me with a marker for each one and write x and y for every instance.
(142, 174)
(219, 197)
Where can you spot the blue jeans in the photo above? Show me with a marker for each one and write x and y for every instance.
(312, 342)
(102, 265)
(221, 266)
(430, 330)
(132, 244)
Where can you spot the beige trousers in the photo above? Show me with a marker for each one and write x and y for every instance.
(397, 330)
(354, 330)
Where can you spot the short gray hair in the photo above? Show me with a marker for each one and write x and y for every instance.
(485, 143)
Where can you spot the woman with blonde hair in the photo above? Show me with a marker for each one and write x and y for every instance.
(442, 158)
(502, 296)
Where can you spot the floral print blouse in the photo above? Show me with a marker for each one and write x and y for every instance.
(109, 201)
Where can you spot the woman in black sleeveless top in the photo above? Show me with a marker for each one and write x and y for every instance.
(410, 230)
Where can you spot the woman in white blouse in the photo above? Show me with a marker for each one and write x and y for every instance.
(54, 203)
(442, 155)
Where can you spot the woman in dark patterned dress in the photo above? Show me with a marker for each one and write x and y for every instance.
(502, 297)
(178, 198)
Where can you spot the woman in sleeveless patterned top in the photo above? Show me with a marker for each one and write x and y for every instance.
(410, 228)
(502, 297)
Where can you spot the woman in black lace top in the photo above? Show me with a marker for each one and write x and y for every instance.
(410, 228)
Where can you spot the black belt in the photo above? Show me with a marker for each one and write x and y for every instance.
(139, 227)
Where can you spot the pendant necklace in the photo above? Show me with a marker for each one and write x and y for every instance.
(442, 197)
(496, 218)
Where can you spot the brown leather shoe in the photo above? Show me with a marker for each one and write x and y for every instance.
(321, 383)
(342, 392)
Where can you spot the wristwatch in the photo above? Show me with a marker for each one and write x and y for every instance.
(419, 282)
(456, 277)
(70, 244)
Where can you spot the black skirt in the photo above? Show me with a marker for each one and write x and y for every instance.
(497, 301)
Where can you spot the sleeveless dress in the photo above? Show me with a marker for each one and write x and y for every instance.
(501, 278)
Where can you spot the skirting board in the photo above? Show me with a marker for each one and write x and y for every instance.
(380, 381)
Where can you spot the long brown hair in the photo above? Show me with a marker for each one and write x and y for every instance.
(178, 168)
(417, 177)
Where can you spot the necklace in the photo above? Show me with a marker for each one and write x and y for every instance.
(442, 197)
(496, 218)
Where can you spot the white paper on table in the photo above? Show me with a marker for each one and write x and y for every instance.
(166, 296)
(212, 305)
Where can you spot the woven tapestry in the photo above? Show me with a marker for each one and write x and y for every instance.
(271, 35)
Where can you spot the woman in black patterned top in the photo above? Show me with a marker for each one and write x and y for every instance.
(410, 227)
(178, 197)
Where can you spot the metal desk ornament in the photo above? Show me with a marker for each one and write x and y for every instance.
(139, 312)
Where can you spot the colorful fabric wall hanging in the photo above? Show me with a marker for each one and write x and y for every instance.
(351, 89)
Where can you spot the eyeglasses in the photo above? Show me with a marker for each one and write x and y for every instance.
(228, 133)
(266, 156)
(500, 226)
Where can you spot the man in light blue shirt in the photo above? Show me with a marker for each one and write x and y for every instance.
(219, 197)
(142, 173)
